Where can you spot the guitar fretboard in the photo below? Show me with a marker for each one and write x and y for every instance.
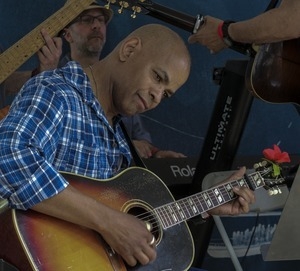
(186, 208)
(21, 51)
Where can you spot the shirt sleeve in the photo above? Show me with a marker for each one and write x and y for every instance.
(28, 142)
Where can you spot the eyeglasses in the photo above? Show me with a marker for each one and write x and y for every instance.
(89, 19)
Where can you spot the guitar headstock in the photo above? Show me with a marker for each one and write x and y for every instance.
(136, 6)
(267, 178)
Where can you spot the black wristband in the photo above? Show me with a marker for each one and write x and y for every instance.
(226, 37)
(243, 48)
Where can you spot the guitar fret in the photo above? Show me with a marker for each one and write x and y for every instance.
(256, 179)
(194, 206)
(185, 208)
(218, 196)
(177, 212)
(166, 218)
(180, 211)
(207, 200)
(198, 202)
(173, 213)
(228, 188)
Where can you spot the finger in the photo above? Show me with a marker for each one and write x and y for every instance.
(150, 252)
(53, 45)
(47, 38)
(238, 174)
(58, 42)
(130, 260)
(143, 258)
(245, 193)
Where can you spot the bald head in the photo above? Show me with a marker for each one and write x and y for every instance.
(157, 37)
(150, 64)
(161, 43)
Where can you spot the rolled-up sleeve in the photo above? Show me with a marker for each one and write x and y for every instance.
(28, 142)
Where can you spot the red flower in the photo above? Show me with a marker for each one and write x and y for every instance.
(276, 155)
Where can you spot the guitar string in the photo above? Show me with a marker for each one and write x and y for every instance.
(156, 225)
(155, 222)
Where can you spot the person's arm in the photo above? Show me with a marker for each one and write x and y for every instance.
(141, 139)
(147, 150)
(275, 25)
(114, 226)
(29, 140)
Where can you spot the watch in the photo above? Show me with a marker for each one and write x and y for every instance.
(226, 38)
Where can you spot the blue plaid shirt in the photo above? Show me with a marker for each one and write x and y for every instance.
(56, 124)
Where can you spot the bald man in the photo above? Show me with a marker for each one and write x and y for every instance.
(67, 120)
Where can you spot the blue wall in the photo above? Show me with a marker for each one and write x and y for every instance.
(181, 122)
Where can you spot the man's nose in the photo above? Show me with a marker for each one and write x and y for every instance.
(156, 94)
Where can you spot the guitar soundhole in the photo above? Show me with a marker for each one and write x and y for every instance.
(144, 212)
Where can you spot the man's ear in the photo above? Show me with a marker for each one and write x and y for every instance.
(67, 36)
(129, 48)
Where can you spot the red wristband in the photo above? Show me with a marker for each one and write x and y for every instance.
(220, 31)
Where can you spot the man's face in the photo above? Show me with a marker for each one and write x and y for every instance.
(87, 35)
(146, 79)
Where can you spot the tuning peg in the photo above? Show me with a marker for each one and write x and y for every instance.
(260, 164)
(123, 4)
(135, 9)
(274, 191)
(109, 2)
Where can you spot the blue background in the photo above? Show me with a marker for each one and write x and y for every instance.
(180, 123)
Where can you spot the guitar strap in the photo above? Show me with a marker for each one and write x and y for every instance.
(135, 156)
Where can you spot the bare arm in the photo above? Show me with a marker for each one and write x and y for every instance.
(147, 150)
(275, 25)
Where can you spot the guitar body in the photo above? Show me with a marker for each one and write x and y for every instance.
(275, 72)
(34, 241)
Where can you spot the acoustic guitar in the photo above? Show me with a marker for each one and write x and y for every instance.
(273, 75)
(12, 58)
(33, 241)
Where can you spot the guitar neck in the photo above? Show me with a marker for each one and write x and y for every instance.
(179, 19)
(194, 205)
(174, 17)
(21, 51)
